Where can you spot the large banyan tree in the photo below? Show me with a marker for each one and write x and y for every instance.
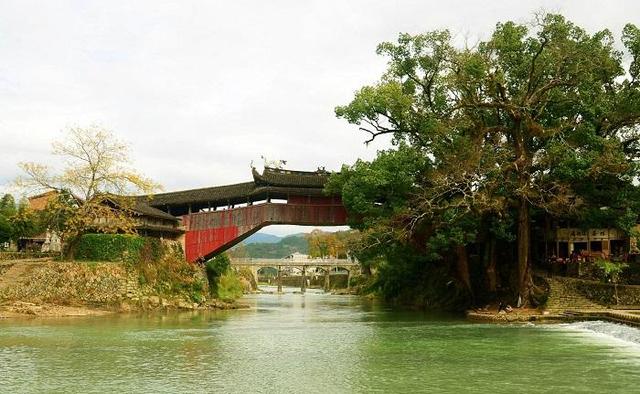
(541, 117)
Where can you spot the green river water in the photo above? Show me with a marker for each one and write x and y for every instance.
(313, 343)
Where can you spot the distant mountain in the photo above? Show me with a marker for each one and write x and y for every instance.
(261, 238)
(275, 250)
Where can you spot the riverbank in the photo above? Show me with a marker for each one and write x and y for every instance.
(515, 316)
(570, 300)
(66, 289)
(20, 309)
(627, 317)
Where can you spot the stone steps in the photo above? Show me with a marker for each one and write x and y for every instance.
(563, 297)
(132, 287)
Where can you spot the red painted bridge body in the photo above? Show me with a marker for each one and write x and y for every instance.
(209, 233)
(218, 217)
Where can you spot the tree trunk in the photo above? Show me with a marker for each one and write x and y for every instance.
(462, 267)
(490, 266)
(525, 283)
(366, 270)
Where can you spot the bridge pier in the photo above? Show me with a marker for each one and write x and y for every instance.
(348, 280)
(279, 279)
(254, 272)
(303, 286)
(327, 280)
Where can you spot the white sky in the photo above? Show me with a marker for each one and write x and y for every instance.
(201, 88)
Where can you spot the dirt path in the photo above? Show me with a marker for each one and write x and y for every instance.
(12, 273)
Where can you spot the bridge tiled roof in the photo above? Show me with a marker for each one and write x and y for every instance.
(216, 193)
(274, 183)
(143, 208)
(280, 177)
(139, 206)
(237, 193)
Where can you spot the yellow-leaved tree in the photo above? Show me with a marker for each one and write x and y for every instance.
(331, 245)
(94, 183)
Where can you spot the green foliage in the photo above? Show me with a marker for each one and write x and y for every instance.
(406, 277)
(153, 250)
(380, 189)
(7, 206)
(163, 268)
(223, 281)
(228, 286)
(215, 268)
(113, 247)
(25, 222)
(7, 211)
(631, 40)
(540, 117)
(331, 244)
(6, 229)
(159, 266)
(59, 212)
(610, 270)
(440, 242)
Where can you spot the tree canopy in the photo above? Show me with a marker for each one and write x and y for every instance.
(93, 186)
(17, 220)
(541, 117)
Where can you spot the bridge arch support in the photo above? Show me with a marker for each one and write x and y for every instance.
(210, 233)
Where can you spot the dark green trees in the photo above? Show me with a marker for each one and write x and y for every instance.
(16, 220)
(540, 117)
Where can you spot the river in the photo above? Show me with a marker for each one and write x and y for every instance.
(313, 343)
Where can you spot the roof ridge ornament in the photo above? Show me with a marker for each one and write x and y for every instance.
(275, 164)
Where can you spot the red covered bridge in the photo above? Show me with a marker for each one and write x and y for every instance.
(216, 218)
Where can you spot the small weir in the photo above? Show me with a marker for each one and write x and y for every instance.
(616, 332)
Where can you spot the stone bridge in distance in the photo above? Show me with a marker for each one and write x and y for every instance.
(216, 218)
(352, 267)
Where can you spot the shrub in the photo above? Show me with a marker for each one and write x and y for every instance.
(109, 247)
(228, 286)
(173, 275)
(215, 268)
(610, 270)
(128, 248)
(247, 274)
(159, 266)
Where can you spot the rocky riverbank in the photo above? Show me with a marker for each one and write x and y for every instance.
(59, 289)
(515, 316)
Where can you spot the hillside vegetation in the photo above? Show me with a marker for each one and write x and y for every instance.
(278, 250)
